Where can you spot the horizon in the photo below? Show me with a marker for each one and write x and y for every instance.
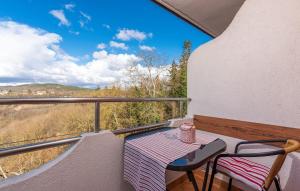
(86, 44)
(57, 84)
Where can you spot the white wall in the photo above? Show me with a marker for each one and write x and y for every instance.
(252, 71)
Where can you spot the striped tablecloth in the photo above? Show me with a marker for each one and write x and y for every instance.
(146, 157)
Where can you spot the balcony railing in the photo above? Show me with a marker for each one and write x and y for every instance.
(97, 101)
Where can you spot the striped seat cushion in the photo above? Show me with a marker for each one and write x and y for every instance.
(244, 170)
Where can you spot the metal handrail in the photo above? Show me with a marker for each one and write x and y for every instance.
(9, 151)
(38, 139)
(10, 101)
(96, 100)
(36, 146)
(140, 128)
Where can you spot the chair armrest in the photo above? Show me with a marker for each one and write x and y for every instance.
(259, 141)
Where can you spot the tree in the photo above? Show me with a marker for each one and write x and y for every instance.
(173, 80)
(182, 87)
(146, 81)
(178, 77)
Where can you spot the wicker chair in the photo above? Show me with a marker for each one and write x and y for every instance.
(255, 175)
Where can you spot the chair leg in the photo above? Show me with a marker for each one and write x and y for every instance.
(192, 179)
(278, 188)
(211, 180)
(206, 176)
(229, 184)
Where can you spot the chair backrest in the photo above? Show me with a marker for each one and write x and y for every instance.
(290, 146)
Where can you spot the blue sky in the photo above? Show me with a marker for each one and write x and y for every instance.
(69, 32)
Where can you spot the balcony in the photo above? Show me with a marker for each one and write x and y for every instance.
(99, 153)
(110, 149)
(111, 145)
(243, 85)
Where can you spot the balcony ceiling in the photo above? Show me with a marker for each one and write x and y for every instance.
(211, 16)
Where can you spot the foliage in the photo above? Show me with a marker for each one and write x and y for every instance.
(178, 73)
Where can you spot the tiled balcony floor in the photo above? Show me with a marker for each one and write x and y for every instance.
(184, 185)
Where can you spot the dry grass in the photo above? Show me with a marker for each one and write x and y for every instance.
(19, 164)
(29, 124)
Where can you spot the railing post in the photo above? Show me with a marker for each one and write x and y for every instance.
(173, 104)
(97, 117)
(181, 108)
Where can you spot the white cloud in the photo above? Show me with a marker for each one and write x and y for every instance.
(31, 55)
(120, 45)
(70, 6)
(81, 23)
(106, 26)
(86, 57)
(85, 19)
(129, 34)
(146, 48)
(101, 46)
(74, 32)
(60, 15)
(86, 16)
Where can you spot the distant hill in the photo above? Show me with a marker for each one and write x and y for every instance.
(41, 87)
(40, 90)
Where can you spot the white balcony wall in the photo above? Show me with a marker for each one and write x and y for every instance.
(251, 72)
(94, 163)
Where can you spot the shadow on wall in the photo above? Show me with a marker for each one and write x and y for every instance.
(293, 183)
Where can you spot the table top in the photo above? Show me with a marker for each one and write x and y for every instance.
(193, 159)
(198, 157)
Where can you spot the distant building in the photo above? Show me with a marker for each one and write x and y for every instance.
(43, 92)
(51, 92)
(4, 92)
(25, 92)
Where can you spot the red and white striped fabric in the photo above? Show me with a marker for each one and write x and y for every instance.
(244, 170)
(146, 157)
